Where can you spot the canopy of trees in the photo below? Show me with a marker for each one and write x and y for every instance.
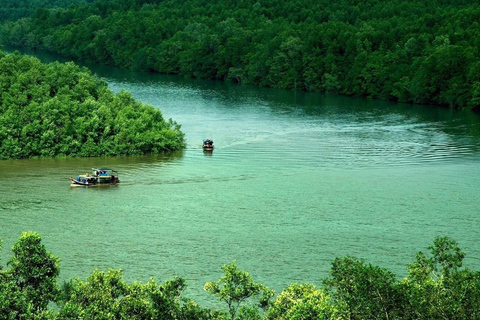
(437, 287)
(411, 51)
(49, 110)
(16, 9)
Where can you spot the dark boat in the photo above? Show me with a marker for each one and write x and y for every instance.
(207, 144)
(100, 176)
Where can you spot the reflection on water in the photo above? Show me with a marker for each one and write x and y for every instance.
(296, 179)
(207, 152)
(52, 167)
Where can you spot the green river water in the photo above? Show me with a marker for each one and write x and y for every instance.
(295, 180)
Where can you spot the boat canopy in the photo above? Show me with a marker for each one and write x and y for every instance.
(104, 169)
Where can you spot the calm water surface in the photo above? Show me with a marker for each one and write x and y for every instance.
(295, 180)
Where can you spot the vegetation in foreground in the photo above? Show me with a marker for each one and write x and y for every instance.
(62, 110)
(422, 51)
(437, 287)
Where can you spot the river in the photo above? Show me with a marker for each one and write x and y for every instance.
(295, 180)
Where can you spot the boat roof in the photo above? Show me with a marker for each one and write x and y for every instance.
(104, 169)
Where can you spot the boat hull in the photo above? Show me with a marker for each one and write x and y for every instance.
(84, 182)
(92, 182)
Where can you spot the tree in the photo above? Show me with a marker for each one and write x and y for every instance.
(63, 110)
(284, 44)
(367, 291)
(235, 287)
(436, 286)
(304, 301)
(29, 285)
(105, 295)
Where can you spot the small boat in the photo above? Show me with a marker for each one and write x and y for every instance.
(207, 144)
(102, 176)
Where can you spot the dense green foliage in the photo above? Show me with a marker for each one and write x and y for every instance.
(437, 287)
(63, 110)
(413, 51)
(108, 296)
(30, 283)
(237, 287)
(16, 9)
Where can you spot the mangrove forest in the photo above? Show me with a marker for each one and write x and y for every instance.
(409, 51)
(63, 110)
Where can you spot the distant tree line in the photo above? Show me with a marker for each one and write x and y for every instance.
(424, 51)
(16, 9)
(62, 110)
(437, 287)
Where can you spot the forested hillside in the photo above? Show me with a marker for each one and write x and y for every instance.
(422, 51)
(16, 9)
(63, 110)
